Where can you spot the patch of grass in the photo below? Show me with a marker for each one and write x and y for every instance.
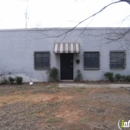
(83, 120)
(53, 120)
(86, 107)
(20, 117)
(40, 88)
(40, 109)
(54, 89)
(10, 89)
(80, 90)
(46, 89)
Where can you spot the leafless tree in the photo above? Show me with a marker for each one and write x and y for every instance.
(112, 34)
(93, 15)
(26, 14)
(26, 17)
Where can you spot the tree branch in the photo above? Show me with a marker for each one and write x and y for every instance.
(91, 16)
(128, 1)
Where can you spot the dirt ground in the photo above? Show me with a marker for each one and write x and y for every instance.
(48, 107)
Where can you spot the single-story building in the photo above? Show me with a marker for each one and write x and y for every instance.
(93, 51)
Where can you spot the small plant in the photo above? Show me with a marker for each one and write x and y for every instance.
(52, 74)
(127, 78)
(78, 76)
(118, 77)
(109, 75)
(123, 77)
(11, 80)
(4, 81)
(19, 80)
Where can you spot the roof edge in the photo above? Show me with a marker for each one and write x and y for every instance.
(61, 28)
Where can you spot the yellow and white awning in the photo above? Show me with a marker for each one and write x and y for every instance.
(66, 48)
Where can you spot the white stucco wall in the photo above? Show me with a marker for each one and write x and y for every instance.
(17, 49)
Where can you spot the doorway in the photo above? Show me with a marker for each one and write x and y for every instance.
(66, 66)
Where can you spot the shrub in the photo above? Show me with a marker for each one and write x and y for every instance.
(123, 77)
(127, 78)
(78, 76)
(109, 75)
(118, 77)
(53, 74)
(4, 81)
(19, 80)
(11, 80)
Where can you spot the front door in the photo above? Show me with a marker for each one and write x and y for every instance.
(66, 65)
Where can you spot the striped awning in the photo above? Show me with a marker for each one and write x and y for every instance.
(66, 48)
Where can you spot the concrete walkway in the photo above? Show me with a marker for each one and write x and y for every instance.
(78, 85)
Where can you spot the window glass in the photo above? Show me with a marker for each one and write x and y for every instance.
(42, 60)
(91, 60)
(117, 60)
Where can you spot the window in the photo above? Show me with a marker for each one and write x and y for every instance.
(117, 60)
(91, 60)
(42, 60)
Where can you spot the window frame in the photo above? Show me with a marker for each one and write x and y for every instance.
(119, 51)
(98, 60)
(43, 68)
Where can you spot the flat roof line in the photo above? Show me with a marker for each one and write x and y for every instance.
(61, 28)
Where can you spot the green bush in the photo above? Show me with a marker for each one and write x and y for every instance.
(4, 81)
(118, 77)
(52, 74)
(123, 77)
(19, 80)
(127, 78)
(78, 76)
(11, 80)
(109, 75)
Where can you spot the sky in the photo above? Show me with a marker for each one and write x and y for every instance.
(61, 13)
